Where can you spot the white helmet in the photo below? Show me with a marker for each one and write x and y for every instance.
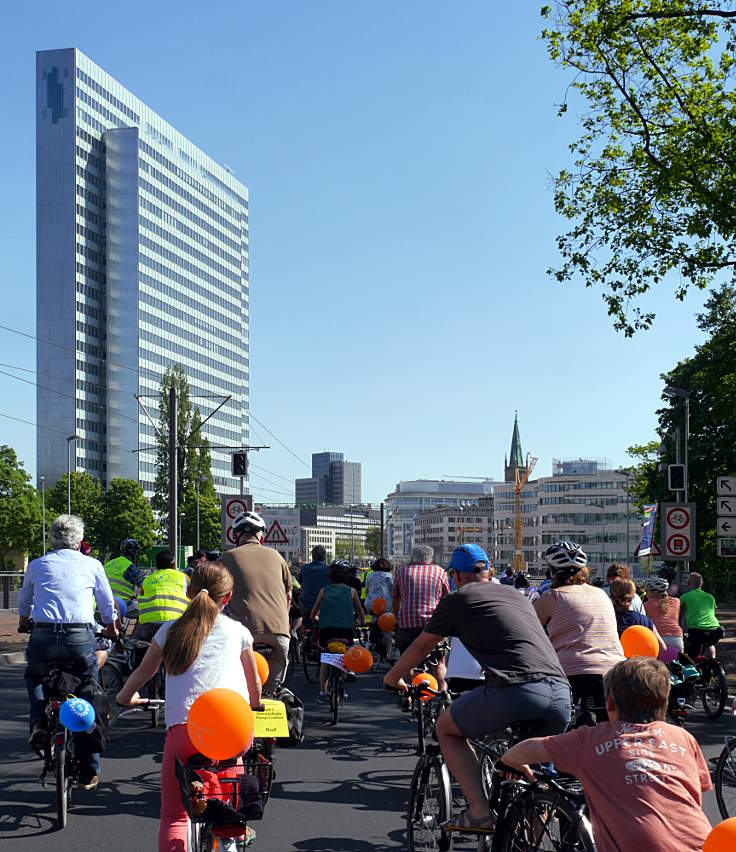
(565, 557)
(248, 522)
(657, 584)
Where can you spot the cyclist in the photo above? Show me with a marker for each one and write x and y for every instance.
(337, 607)
(261, 592)
(581, 625)
(524, 679)
(59, 592)
(622, 593)
(618, 570)
(123, 573)
(315, 576)
(163, 597)
(664, 611)
(202, 650)
(698, 614)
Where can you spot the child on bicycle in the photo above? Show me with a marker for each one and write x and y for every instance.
(201, 650)
(337, 606)
(643, 778)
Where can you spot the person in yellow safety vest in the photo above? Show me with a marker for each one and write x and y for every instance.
(163, 597)
(123, 574)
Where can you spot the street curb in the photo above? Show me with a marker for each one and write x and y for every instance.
(16, 658)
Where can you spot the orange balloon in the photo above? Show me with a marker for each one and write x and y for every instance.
(262, 666)
(429, 680)
(639, 641)
(722, 837)
(220, 724)
(357, 659)
(379, 606)
(387, 621)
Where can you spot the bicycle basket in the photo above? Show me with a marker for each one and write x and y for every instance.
(227, 792)
(337, 647)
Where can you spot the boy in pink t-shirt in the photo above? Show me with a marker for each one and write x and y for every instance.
(643, 779)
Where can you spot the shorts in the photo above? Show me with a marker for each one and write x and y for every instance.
(698, 639)
(491, 709)
(405, 636)
(330, 634)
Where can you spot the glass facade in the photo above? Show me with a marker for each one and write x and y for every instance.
(143, 263)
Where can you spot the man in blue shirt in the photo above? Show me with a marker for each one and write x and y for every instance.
(315, 576)
(59, 592)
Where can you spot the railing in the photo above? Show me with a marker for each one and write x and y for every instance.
(10, 582)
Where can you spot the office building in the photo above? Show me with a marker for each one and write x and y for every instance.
(333, 480)
(349, 523)
(344, 483)
(311, 537)
(445, 528)
(142, 263)
(310, 489)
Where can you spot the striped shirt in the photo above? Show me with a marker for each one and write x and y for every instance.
(419, 588)
(583, 630)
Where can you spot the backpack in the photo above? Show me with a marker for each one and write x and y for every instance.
(294, 717)
(60, 684)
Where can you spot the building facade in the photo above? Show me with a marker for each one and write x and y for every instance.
(333, 480)
(446, 528)
(142, 263)
(312, 536)
(349, 524)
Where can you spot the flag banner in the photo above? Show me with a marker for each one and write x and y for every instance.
(647, 533)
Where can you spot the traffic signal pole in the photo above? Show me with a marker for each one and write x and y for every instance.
(173, 474)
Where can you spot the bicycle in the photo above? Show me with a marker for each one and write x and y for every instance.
(310, 652)
(336, 678)
(123, 658)
(724, 779)
(710, 686)
(267, 652)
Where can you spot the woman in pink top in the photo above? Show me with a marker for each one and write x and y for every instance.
(581, 625)
(664, 612)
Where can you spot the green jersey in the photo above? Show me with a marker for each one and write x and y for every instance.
(700, 610)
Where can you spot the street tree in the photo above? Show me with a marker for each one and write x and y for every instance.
(85, 502)
(373, 540)
(125, 513)
(20, 509)
(346, 549)
(650, 191)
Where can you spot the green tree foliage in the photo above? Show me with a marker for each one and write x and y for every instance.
(373, 541)
(646, 483)
(86, 501)
(344, 549)
(124, 513)
(652, 186)
(209, 519)
(20, 507)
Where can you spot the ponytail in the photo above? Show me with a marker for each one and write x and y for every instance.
(208, 587)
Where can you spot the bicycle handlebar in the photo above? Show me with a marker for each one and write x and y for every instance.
(148, 704)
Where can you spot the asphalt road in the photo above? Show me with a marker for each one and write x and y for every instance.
(343, 790)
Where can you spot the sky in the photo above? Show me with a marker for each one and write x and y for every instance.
(399, 159)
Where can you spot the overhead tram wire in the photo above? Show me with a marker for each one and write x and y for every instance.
(272, 473)
(276, 438)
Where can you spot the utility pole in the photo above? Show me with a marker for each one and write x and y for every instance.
(173, 474)
(383, 513)
(43, 511)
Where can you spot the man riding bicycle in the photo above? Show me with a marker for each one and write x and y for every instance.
(163, 597)
(524, 679)
(698, 616)
(123, 573)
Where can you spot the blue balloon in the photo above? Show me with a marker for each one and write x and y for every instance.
(77, 715)
(122, 605)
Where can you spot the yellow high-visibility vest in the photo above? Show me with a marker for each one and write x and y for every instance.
(163, 596)
(114, 571)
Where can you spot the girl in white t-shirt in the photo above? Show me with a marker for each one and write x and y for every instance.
(202, 650)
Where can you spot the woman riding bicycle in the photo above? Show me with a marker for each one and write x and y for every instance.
(202, 650)
(338, 606)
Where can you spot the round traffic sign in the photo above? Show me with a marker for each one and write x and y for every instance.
(229, 535)
(236, 507)
(677, 544)
(678, 518)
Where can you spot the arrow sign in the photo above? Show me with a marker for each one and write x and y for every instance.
(726, 526)
(727, 506)
(726, 486)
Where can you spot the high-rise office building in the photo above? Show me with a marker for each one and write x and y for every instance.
(345, 482)
(142, 263)
(333, 480)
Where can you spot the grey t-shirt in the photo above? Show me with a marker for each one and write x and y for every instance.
(501, 630)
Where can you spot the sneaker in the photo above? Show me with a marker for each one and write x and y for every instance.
(37, 739)
(322, 698)
(87, 780)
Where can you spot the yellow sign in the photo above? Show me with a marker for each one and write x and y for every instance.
(271, 722)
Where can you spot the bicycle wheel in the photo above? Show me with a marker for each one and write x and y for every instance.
(430, 804)
(725, 780)
(62, 781)
(491, 748)
(544, 820)
(715, 690)
(310, 661)
(111, 680)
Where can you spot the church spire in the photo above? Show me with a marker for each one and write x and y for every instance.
(516, 458)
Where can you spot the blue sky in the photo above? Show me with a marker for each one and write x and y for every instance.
(399, 160)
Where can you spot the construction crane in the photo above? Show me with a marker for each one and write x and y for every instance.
(520, 480)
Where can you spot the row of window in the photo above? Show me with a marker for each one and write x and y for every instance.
(192, 217)
(94, 142)
(173, 330)
(90, 407)
(90, 159)
(90, 444)
(89, 311)
(227, 437)
(94, 464)
(93, 369)
(581, 486)
(89, 330)
(91, 216)
(187, 318)
(91, 387)
(92, 236)
(83, 115)
(183, 351)
(91, 349)
(91, 426)
(90, 197)
(98, 107)
(172, 294)
(89, 177)
(108, 96)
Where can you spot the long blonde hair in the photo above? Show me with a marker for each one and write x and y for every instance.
(208, 587)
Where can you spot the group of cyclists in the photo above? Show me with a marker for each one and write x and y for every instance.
(526, 656)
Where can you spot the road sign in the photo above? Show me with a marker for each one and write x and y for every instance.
(727, 507)
(727, 548)
(230, 507)
(678, 531)
(726, 527)
(726, 486)
(275, 535)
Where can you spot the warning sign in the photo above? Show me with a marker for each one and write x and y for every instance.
(232, 506)
(275, 535)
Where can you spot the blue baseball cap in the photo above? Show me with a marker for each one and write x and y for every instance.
(466, 557)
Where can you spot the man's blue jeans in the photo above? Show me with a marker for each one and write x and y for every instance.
(72, 647)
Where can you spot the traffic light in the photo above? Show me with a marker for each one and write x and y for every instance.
(676, 477)
(240, 464)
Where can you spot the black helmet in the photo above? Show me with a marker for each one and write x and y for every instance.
(130, 548)
(340, 571)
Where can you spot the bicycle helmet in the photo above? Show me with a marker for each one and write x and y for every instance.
(565, 557)
(248, 522)
(340, 570)
(657, 584)
(130, 548)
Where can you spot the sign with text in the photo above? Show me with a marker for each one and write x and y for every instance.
(336, 660)
(272, 721)
(230, 507)
(727, 548)
(678, 531)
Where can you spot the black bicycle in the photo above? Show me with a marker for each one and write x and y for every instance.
(724, 779)
(124, 656)
(310, 652)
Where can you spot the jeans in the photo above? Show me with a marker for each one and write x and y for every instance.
(70, 647)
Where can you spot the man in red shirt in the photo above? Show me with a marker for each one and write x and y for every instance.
(418, 588)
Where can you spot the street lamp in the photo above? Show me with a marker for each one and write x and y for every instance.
(672, 392)
(72, 439)
(198, 482)
(43, 511)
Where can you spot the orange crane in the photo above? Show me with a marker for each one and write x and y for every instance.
(519, 482)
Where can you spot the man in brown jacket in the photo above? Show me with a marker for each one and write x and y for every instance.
(261, 591)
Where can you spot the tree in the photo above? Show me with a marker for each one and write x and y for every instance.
(209, 520)
(652, 187)
(20, 507)
(373, 541)
(646, 483)
(344, 549)
(86, 499)
(125, 513)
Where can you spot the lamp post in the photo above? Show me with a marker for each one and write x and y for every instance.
(627, 474)
(672, 392)
(72, 439)
(43, 511)
(197, 485)
(176, 555)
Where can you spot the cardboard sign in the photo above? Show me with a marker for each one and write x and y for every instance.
(336, 660)
(271, 722)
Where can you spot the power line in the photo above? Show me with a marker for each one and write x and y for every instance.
(288, 450)
(30, 423)
(260, 476)
(273, 473)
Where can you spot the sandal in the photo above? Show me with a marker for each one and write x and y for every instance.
(250, 836)
(465, 823)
